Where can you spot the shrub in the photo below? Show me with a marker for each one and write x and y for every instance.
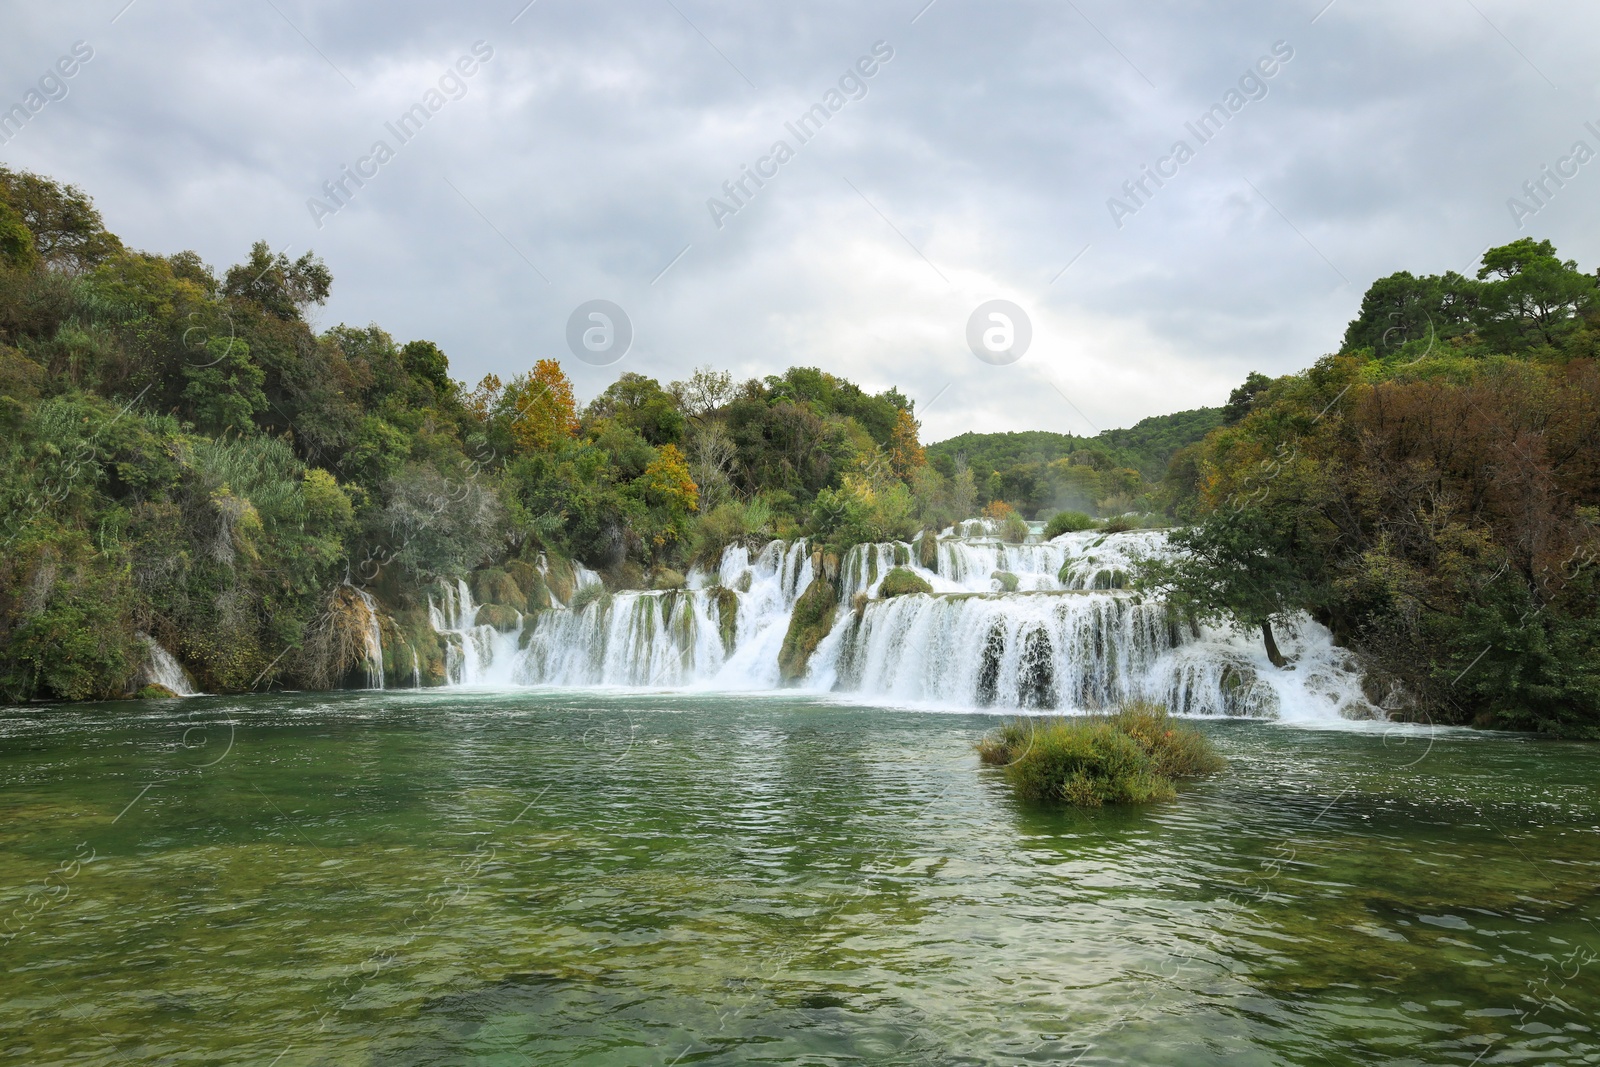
(1133, 756)
(1067, 522)
(589, 594)
(1117, 524)
(1014, 529)
(900, 581)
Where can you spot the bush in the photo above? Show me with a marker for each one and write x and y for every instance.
(1067, 522)
(589, 594)
(1117, 524)
(1013, 529)
(1133, 756)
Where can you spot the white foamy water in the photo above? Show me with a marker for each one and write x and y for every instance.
(1036, 626)
(161, 668)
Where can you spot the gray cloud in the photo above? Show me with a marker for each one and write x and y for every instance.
(990, 143)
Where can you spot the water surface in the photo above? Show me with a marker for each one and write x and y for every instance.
(582, 878)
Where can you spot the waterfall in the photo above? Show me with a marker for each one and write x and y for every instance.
(474, 654)
(163, 669)
(372, 639)
(1042, 625)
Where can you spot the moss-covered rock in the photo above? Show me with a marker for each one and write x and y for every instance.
(667, 578)
(1067, 522)
(502, 618)
(628, 574)
(534, 590)
(1114, 578)
(928, 550)
(810, 623)
(726, 602)
(561, 578)
(155, 691)
(900, 581)
(902, 554)
(491, 585)
(1007, 580)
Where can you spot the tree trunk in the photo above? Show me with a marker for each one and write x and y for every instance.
(1272, 646)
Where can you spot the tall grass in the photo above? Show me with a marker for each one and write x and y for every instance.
(1132, 756)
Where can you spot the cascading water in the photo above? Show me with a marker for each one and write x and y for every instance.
(164, 670)
(372, 649)
(725, 628)
(1044, 625)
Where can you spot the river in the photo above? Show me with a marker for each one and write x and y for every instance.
(593, 877)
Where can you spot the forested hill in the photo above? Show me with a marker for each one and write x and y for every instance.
(1030, 468)
(1431, 493)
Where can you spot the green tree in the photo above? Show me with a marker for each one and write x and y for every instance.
(1243, 399)
(1536, 296)
(1242, 566)
(283, 288)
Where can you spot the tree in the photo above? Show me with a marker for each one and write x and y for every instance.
(16, 241)
(704, 392)
(424, 362)
(282, 288)
(639, 403)
(67, 230)
(668, 488)
(1536, 296)
(225, 391)
(905, 454)
(1243, 399)
(1242, 566)
(542, 409)
(1402, 308)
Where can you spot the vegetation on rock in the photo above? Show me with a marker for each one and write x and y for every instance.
(1132, 756)
(900, 581)
(810, 623)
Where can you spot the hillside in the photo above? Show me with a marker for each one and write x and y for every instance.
(1038, 471)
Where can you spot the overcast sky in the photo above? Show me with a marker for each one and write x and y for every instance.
(577, 162)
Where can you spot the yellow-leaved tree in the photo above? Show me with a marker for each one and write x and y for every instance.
(905, 453)
(542, 408)
(669, 489)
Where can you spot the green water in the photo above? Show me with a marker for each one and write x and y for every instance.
(665, 879)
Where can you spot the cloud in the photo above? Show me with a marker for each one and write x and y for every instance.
(987, 147)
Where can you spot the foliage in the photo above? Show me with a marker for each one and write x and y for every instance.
(1039, 473)
(65, 229)
(1067, 522)
(1013, 529)
(1431, 494)
(729, 524)
(905, 454)
(1132, 756)
(540, 407)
